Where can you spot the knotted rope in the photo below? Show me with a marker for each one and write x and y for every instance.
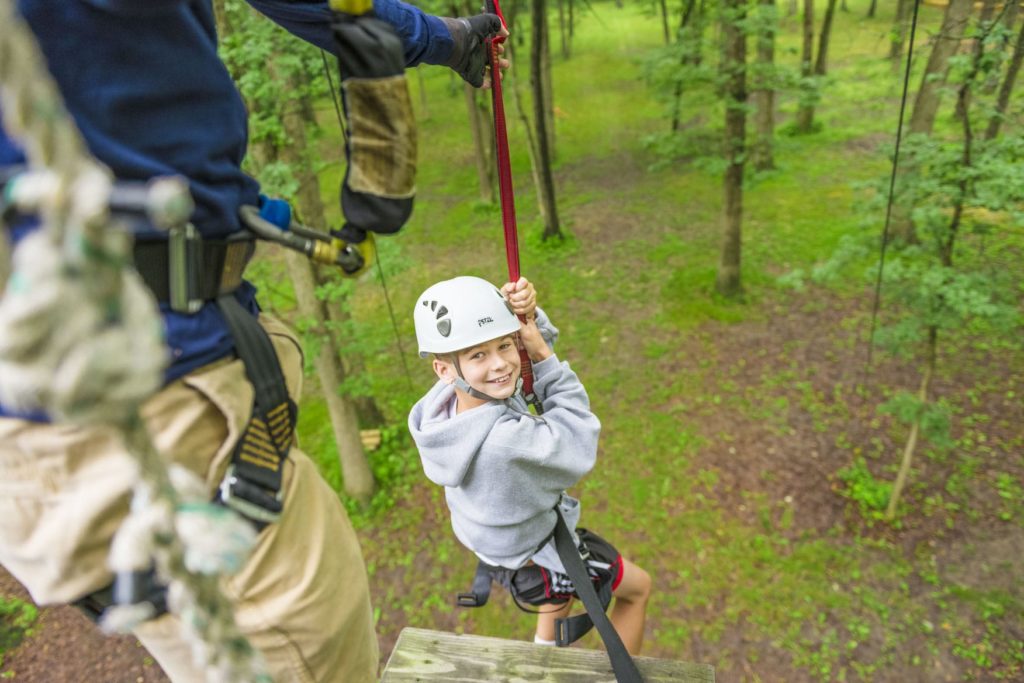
(81, 338)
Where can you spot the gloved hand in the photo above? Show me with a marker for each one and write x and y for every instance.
(469, 56)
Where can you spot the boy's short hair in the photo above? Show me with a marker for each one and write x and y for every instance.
(460, 313)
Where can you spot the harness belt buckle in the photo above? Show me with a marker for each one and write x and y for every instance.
(468, 600)
(250, 500)
(185, 265)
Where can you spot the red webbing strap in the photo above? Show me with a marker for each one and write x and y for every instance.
(508, 205)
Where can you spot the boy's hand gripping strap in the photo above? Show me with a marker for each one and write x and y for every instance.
(380, 180)
(622, 663)
(508, 205)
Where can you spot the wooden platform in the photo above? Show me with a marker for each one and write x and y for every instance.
(422, 655)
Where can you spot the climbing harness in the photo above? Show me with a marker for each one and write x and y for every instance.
(80, 338)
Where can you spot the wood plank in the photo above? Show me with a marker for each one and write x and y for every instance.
(424, 655)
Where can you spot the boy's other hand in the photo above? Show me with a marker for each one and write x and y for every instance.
(522, 297)
(533, 341)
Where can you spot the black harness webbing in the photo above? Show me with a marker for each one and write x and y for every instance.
(622, 663)
(568, 631)
(252, 485)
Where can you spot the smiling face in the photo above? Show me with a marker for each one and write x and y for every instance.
(491, 368)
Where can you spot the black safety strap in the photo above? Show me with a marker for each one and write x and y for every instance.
(252, 485)
(622, 663)
(481, 590)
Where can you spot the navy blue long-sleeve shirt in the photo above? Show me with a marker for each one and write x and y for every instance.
(143, 82)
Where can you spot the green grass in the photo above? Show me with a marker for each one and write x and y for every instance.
(17, 619)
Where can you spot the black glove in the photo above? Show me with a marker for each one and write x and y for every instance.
(469, 53)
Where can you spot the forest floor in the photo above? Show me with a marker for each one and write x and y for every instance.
(744, 462)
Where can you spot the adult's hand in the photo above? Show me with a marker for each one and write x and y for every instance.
(469, 56)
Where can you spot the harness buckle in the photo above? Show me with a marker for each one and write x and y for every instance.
(250, 500)
(184, 265)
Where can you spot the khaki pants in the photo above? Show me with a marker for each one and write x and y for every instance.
(302, 598)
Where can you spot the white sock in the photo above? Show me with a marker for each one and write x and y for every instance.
(540, 641)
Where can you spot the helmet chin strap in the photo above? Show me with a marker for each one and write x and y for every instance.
(461, 383)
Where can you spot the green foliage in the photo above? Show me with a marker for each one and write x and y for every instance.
(17, 620)
(862, 487)
(932, 416)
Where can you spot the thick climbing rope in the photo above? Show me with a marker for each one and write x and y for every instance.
(506, 194)
(81, 338)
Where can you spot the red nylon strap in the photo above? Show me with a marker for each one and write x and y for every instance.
(508, 205)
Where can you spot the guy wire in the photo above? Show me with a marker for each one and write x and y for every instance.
(892, 189)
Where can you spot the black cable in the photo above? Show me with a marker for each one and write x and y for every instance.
(892, 189)
(394, 323)
(334, 95)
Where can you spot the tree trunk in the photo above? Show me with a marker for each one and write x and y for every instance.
(792, 8)
(904, 10)
(805, 114)
(664, 21)
(926, 105)
(563, 29)
(1008, 18)
(985, 26)
(540, 115)
(355, 470)
(1003, 99)
(821, 65)
(915, 428)
(764, 96)
(481, 146)
(572, 19)
(734, 60)
(354, 466)
(872, 8)
(688, 35)
(424, 111)
(531, 145)
(546, 81)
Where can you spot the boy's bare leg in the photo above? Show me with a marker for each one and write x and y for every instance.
(546, 619)
(630, 609)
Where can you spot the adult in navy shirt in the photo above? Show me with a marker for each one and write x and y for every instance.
(143, 82)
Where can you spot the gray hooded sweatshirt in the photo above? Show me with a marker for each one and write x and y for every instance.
(504, 469)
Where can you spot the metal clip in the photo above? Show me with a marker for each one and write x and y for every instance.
(184, 263)
(233, 492)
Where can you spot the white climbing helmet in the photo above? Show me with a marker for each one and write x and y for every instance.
(462, 312)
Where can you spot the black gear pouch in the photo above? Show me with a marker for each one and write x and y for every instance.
(380, 181)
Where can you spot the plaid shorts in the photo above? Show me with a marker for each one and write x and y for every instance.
(536, 585)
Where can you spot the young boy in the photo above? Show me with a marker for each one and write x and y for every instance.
(504, 470)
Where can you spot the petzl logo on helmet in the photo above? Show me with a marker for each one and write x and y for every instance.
(483, 321)
(444, 327)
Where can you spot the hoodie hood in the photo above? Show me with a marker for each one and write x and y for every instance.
(448, 445)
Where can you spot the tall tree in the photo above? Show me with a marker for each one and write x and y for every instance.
(541, 121)
(563, 29)
(898, 35)
(805, 113)
(663, 6)
(482, 147)
(821, 64)
(872, 8)
(926, 104)
(734, 60)
(764, 93)
(1003, 98)
(690, 39)
(950, 300)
